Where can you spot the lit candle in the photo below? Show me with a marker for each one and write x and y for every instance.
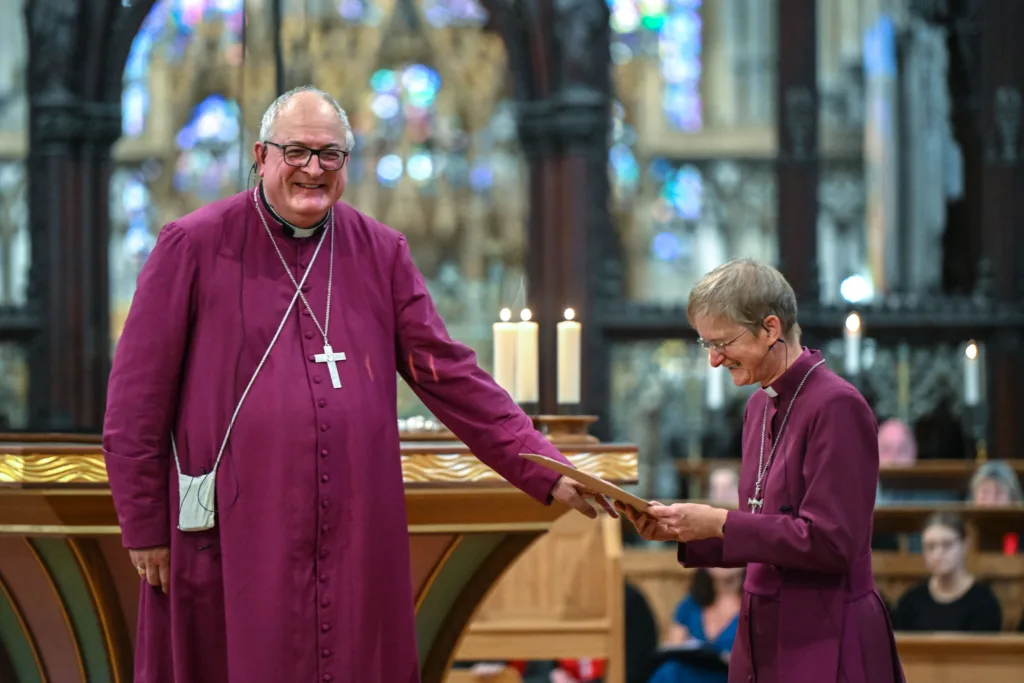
(527, 389)
(505, 352)
(972, 378)
(569, 359)
(715, 387)
(851, 357)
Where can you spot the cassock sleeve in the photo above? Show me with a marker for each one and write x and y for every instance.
(834, 520)
(445, 375)
(142, 394)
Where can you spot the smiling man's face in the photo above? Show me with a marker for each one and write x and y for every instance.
(302, 196)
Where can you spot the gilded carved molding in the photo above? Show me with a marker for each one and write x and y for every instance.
(618, 465)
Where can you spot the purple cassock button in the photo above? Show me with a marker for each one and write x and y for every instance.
(305, 312)
(326, 653)
(325, 528)
(316, 379)
(323, 452)
(303, 264)
(325, 478)
(307, 287)
(324, 503)
(324, 427)
(323, 402)
(324, 554)
(325, 603)
(328, 678)
(309, 334)
(312, 357)
(325, 627)
(323, 578)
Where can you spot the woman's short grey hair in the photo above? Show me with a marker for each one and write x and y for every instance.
(270, 116)
(745, 291)
(1001, 473)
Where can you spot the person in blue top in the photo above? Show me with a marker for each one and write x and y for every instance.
(707, 618)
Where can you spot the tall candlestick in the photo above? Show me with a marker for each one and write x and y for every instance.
(851, 357)
(972, 377)
(505, 352)
(569, 333)
(527, 378)
(715, 387)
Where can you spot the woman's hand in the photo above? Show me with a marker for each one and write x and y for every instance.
(646, 525)
(687, 522)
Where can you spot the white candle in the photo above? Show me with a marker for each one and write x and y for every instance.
(715, 387)
(972, 377)
(505, 352)
(569, 334)
(851, 357)
(527, 389)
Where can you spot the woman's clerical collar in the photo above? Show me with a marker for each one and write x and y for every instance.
(787, 384)
(290, 229)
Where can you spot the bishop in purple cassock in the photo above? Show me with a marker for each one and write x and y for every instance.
(810, 613)
(302, 574)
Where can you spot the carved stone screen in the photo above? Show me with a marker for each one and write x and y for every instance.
(15, 249)
(426, 90)
(693, 142)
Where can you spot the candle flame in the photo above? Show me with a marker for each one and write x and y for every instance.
(569, 314)
(526, 315)
(853, 322)
(505, 315)
(971, 351)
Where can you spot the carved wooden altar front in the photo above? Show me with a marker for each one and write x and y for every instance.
(70, 594)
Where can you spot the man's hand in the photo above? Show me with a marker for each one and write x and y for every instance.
(575, 495)
(690, 521)
(154, 565)
(646, 524)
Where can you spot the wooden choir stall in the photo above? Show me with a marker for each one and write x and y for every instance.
(69, 595)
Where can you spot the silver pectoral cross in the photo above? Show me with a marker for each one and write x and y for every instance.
(331, 358)
(755, 503)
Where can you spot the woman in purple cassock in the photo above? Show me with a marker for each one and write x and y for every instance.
(810, 613)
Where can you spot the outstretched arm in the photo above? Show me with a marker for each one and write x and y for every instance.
(445, 375)
(142, 393)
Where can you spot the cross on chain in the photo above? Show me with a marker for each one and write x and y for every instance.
(331, 358)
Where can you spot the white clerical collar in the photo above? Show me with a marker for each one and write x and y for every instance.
(290, 229)
(771, 392)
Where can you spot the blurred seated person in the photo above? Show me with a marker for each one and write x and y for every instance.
(708, 615)
(994, 484)
(950, 599)
(897, 447)
(724, 485)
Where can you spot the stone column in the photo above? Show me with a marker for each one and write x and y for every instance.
(75, 117)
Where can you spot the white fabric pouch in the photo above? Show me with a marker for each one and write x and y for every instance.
(197, 501)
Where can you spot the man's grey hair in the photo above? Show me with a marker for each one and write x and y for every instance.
(270, 116)
(745, 291)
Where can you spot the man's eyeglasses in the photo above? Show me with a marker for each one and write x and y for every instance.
(331, 158)
(719, 346)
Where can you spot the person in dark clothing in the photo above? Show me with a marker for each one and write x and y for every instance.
(951, 599)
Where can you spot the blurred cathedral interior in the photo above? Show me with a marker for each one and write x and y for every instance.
(600, 155)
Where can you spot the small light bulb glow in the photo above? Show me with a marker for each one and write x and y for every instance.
(971, 351)
(853, 322)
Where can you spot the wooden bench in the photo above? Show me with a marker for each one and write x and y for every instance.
(467, 676)
(956, 658)
(563, 598)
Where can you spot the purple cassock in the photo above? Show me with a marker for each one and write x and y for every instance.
(811, 613)
(306, 574)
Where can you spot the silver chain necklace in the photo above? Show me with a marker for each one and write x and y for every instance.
(329, 356)
(756, 503)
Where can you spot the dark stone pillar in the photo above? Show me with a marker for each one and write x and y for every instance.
(1001, 209)
(75, 118)
(561, 66)
(797, 162)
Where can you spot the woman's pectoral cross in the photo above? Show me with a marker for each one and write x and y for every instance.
(331, 358)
